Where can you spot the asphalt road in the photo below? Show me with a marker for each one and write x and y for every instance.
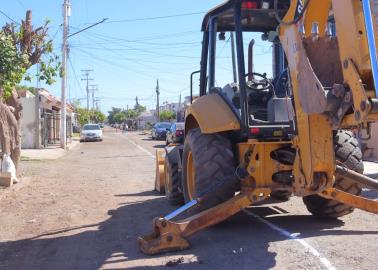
(85, 211)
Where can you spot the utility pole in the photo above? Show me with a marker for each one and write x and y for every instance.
(178, 113)
(93, 89)
(98, 100)
(63, 131)
(37, 114)
(157, 101)
(86, 74)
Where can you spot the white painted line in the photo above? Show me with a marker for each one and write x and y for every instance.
(138, 146)
(327, 264)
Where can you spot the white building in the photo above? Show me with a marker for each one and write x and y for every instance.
(46, 130)
(146, 117)
(173, 107)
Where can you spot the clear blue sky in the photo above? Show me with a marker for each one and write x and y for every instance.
(128, 54)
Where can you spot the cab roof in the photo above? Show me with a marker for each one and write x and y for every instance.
(256, 16)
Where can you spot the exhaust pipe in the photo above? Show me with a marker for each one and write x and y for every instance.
(250, 60)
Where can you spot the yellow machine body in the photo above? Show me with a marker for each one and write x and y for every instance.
(205, 113)
(346, 60)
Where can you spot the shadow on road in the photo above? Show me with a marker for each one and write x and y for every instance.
(159, 146)
(113, 241)
(149, 139)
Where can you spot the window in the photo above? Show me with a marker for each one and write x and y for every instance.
(91, 127)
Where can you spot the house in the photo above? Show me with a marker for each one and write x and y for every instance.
(40, 126)
(144, 118)
(172, 107)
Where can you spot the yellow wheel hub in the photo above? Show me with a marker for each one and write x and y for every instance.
(190, 177)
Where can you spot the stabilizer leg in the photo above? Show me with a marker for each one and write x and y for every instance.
(351, 200)
(171, 236)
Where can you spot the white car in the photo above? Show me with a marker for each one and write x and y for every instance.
(91, 132)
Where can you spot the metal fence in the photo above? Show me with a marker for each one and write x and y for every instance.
(50, 128)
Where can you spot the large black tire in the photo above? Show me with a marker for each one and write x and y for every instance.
(349, 154)
(172, 183)
(214, 166)
(281, 195)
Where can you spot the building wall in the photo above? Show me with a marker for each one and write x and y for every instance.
(28, 125)
(370, 147)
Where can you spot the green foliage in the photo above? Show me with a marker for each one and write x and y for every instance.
(84, 116)
(167, 115)
(90, 116)
(112, 113)
(21, 47)
(12, 64)
(98, 116)
(139, 109)
(149, 126)
(118, 116)
(31, 89)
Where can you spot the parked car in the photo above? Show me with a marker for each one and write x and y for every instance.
(159, 130)
(91, 132)
(175, 134)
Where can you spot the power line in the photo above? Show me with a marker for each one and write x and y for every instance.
(87, 79)
(8, 17)
(86, 28)
(21, 4)
(155, 18)
(75, 75)
(115, 64)
(142, 39)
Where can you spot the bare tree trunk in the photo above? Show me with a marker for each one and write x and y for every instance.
(10, 127)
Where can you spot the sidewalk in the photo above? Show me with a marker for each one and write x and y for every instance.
(371, 169)
(50, 153)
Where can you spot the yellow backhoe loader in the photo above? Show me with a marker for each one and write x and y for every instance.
(292, 133)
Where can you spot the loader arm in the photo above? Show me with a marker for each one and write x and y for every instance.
(354, 73)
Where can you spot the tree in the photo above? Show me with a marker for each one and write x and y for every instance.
(85, 116)
(112, 113)
(119, 117)
(167, 115)
(21, 47)
(99, 117)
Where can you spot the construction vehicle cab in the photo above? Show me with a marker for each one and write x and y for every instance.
(249, 94)
(291, 132)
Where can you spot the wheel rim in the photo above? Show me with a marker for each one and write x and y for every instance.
(190, 176)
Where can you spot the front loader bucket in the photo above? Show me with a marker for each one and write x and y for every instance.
(160, 174)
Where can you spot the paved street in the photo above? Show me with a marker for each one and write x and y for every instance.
(86, 209)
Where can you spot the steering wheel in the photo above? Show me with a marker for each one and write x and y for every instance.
(264, 82)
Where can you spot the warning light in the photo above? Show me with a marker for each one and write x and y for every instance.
(248, 5)
(255, 130)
